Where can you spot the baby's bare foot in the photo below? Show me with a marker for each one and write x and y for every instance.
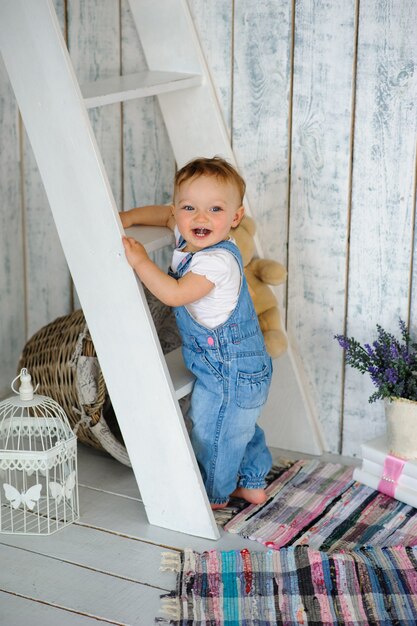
(254, 496)
(215, 507)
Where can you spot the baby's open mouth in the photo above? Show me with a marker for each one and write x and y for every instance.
(201, 232)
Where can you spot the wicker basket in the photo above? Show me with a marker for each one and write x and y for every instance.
(52, 356)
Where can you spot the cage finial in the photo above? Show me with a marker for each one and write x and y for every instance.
(26, 388)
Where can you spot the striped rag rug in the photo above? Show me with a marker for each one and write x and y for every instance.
(320, 505)
(293, 586)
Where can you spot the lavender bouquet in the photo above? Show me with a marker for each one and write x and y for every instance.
(391, 363)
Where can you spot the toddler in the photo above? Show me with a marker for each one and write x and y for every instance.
(222, 342)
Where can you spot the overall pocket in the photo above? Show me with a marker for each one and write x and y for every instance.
(252, 389)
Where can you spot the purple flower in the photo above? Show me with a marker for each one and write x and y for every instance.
(375, 374)
(343, 342)
(405, 353)
(391, 376)
(394, 351)
(390, 362)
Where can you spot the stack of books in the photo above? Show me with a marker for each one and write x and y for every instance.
(382, 471)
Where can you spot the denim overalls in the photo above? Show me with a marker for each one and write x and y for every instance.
(233, 373)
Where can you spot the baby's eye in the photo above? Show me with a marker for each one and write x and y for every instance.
(188, 207)
(215, 209)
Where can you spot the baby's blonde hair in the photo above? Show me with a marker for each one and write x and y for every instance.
(216, 166)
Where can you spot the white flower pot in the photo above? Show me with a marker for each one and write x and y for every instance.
(401, 416)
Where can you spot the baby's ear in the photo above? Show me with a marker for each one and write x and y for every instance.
(238, 216)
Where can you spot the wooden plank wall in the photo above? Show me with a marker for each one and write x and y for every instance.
(47, 280)
(383, 192)
(320, 101)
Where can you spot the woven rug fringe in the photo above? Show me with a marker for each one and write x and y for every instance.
(170, 602)
(170, 561)
(170, 606)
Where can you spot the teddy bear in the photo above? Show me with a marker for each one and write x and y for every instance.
(259, 274)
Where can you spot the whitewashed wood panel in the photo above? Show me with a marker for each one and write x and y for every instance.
(81, 590)
(148, 160)
(382, 194)
(98, 470)
(149, 164)
(261, 87)
(60, 7)
(12, 278)
(260, 125)
(101, 551)
(94, 47)
(214, 22)
(15, 611)
(126, 516)
(48, 284)
(324, 49)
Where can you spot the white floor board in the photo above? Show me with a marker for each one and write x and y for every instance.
(99, 470)
(16, 611)
(126, 516)
(101, 551)
(73, 587)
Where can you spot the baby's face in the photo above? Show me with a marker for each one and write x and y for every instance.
(205, 210)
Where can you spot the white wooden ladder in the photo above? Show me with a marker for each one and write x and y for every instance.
(143, 385)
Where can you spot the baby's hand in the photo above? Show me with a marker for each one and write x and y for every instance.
(135, 252)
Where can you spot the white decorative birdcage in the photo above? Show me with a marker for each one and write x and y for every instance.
(38, 464)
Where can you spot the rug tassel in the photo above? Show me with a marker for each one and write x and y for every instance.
(171, 607)
(170, 561)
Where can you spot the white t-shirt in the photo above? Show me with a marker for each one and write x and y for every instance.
(221, 268)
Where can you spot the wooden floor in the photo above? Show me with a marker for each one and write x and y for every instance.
(103, 569)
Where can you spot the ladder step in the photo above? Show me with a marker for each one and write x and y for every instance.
(182, 379)
(131, 86)
(151, 237)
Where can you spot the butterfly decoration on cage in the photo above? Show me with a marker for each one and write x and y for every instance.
(28, 498)
(58, 490)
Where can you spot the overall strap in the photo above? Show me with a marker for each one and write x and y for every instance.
(182, 266)
(232, 248)
(225, 245)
